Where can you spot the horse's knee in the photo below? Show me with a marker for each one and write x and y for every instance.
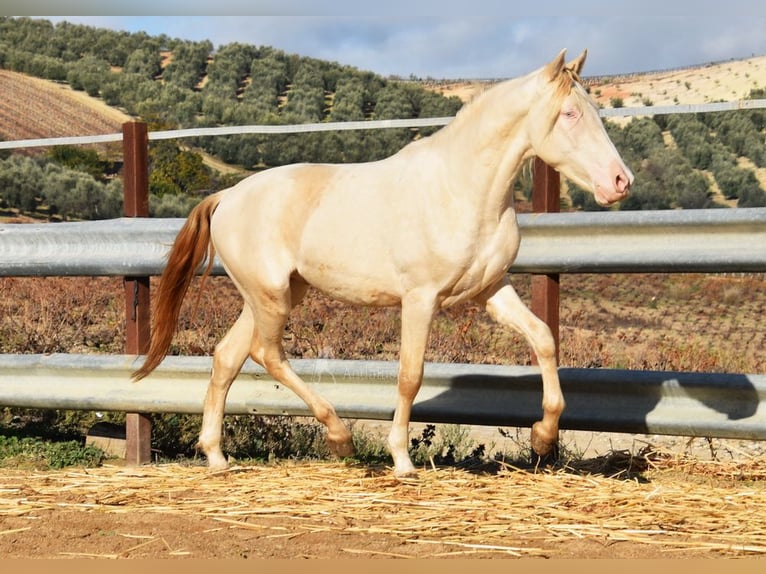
(270, 356)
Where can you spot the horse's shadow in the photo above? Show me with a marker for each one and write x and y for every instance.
(642, 402)
(615, 465)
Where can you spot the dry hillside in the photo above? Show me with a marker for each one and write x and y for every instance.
(731, 80)
(32, 108)
(726, 81)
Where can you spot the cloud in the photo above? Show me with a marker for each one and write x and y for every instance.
(478, 46)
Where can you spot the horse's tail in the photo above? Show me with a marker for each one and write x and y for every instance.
(190, 249)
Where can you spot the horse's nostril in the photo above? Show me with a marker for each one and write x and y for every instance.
(622, 183)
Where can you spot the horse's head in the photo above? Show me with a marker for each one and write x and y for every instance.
(567, 133)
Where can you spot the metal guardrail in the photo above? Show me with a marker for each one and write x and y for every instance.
(754, 104)
(715, 240)
(665, 241)
(691, 404)
(654, 402)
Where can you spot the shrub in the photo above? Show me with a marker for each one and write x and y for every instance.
(41, 455)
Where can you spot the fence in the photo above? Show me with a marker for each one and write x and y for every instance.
(674, 403)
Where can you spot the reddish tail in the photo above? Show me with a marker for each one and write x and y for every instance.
(192, 246)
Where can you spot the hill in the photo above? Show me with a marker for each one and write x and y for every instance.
(723, 81)
(688, 161)
(36, 108)
(33, 108)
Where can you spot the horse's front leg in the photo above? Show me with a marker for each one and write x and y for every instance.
(504, 306)
(417, 314)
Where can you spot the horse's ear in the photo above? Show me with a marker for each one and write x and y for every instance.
(577, 64)
(553, 69)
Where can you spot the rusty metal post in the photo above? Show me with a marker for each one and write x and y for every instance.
(135, 144)
(545, 288)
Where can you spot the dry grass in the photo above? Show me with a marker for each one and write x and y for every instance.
(451, 511)
(703, 323)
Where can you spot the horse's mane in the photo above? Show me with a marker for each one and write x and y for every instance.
(562, 89)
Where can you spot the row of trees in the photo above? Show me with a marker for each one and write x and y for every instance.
(236, 84)
(719, 153)
(62, 186)
(35, 186)
(177, 83)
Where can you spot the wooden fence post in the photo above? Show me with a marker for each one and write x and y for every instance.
(135, 145)
(545, 288)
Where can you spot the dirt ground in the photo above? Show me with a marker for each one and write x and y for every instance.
(74, 534)
(618, 505)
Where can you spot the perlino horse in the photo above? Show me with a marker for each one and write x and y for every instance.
(428, 227)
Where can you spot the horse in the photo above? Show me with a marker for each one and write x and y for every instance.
(423, 229)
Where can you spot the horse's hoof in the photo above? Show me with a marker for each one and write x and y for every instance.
(215, 459)
(217, 466)
(343, 448)
(545, 451)
(548, 459)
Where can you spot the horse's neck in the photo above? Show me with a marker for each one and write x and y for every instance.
(487, 144)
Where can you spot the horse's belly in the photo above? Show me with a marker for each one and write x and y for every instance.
(350, 285)
(350, 270)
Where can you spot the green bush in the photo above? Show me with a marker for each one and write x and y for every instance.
(36, 453)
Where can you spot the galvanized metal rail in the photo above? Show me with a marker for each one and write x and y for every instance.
(689, 404)
(704, 240)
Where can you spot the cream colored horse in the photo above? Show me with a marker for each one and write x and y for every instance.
(428, 227)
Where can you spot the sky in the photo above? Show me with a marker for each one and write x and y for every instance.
(443, 42)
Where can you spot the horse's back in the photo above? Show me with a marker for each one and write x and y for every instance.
(325, 222)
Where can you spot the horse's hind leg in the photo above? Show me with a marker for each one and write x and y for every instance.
(271, 310)
(504, 306)
(229, 356)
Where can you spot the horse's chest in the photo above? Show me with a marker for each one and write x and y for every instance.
(487, 260)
